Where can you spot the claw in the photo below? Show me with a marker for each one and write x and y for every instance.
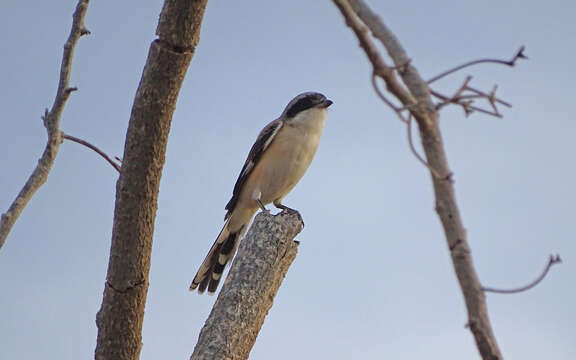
(290, 210)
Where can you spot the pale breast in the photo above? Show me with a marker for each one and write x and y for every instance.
(293, 152)
(286, 160)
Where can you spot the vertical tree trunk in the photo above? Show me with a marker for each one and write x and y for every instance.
(121, 314)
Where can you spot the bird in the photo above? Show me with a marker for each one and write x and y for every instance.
(276, 162)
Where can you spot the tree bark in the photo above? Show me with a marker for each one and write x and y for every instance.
(263, 259)
(415, 97)
(121, 315)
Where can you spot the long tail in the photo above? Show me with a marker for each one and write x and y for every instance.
(221, 252)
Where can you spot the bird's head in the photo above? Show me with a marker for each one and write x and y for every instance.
(306, 102)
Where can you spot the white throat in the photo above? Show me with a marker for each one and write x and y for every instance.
(312, 119)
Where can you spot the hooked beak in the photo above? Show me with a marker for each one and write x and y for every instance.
(326, 103)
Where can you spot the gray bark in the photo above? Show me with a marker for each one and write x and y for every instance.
(263, 259)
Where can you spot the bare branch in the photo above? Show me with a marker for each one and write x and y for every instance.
(396, 109)
(263, 259)
(465, 104)
(413, 148)
(519, 55)
(491, 97)
(385, 72)
(457, 95)
(380, 67)
(466, 95)
(88, 145)
(424, 111)
(52, 123)
(551, 261)
(418, 100)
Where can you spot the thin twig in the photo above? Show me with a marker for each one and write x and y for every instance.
(415, 152)
(87, 144)
(491, 97)
(462, 88)
(52, 123)
(465, 100)
(396, 109)
(466, 105)
(457, 95)
(554, 259)
(519, 55)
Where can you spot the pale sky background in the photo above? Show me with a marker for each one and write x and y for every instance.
(373, 278)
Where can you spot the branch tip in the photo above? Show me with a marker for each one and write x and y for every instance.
(520, 54)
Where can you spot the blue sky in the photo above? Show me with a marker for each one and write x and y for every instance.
(373, 277)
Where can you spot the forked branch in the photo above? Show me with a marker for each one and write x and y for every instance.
(52, 123)
(419, 103)
(467, 95)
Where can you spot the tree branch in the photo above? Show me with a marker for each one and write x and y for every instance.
(426, 115)
(519, 55)
(90, 146)
(263, 259)
(551, 261)
(121, 315)
(418, 89)
(380, 67)
(51, 123)
(466, 95)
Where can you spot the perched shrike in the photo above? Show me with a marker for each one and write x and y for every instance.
(277, 161)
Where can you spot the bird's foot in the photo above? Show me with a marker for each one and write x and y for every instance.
(262, 207)
(287, 209)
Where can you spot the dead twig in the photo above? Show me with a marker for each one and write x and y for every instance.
(466, 96)
(457, 95)
(554, 259)
(491, 96)
(383, 97)
(518, 55)
(415, 152)
(51, 121)
(90, 146)
(465, 104)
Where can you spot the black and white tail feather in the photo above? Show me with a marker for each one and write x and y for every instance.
(221, 252)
